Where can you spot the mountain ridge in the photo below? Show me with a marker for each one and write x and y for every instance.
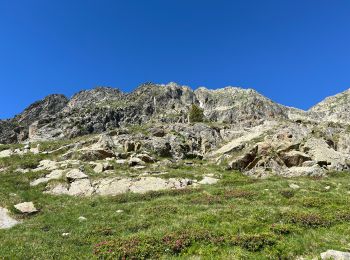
(104, 108)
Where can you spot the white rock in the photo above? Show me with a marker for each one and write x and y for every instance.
(121, 161)
(54, 175)
(81, 218)
(47, 165)
(294, 186)
(112, 186)
(98, 168)
(81, 187)
(20, 170)
(76, 174)
(6, 153)
(208, 180)
(58, 189)
(5, 220)
(335, 255)
(26, 207)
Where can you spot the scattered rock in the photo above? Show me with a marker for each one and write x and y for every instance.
(26, 207)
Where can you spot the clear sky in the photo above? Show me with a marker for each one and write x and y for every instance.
(295, 52)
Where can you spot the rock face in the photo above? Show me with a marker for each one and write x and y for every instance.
(101, 109)
(242, 129)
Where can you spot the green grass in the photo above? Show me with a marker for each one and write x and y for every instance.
(238, 218)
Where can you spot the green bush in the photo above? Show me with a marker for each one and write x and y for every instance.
(196, 114)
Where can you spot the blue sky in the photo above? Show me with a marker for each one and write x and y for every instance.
(295, 52)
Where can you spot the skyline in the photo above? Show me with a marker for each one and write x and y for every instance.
(293, 52)
(184, 85)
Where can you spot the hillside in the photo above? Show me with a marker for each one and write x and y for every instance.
(167, 172)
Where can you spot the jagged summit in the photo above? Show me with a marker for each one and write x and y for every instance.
(105, 108)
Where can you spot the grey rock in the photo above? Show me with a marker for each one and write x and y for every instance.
(26, 207)
(335, 255)
(75, 174)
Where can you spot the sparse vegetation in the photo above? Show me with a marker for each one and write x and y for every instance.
(196, 114)
(239, 217)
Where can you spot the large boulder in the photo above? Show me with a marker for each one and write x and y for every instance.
(294, 158)
(241, 162)
(321, 152)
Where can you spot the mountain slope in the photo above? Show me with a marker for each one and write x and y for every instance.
(335, 108)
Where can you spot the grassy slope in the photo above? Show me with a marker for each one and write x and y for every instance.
(238, 218)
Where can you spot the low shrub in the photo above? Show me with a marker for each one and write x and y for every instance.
(308, 220)
(287, 193)
(254, 242)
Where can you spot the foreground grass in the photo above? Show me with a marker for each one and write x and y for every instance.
(238, 218)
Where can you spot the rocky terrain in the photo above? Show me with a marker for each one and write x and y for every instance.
(162, 139)
(239, 128)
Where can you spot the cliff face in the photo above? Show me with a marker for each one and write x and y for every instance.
(103, 108)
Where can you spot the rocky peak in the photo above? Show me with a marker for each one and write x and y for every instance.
(95, 96)
(48, 106)
(335, 108)
(235, 105)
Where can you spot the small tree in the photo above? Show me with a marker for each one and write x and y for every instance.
(195, 114)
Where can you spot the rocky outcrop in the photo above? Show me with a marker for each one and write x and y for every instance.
(335, 108)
